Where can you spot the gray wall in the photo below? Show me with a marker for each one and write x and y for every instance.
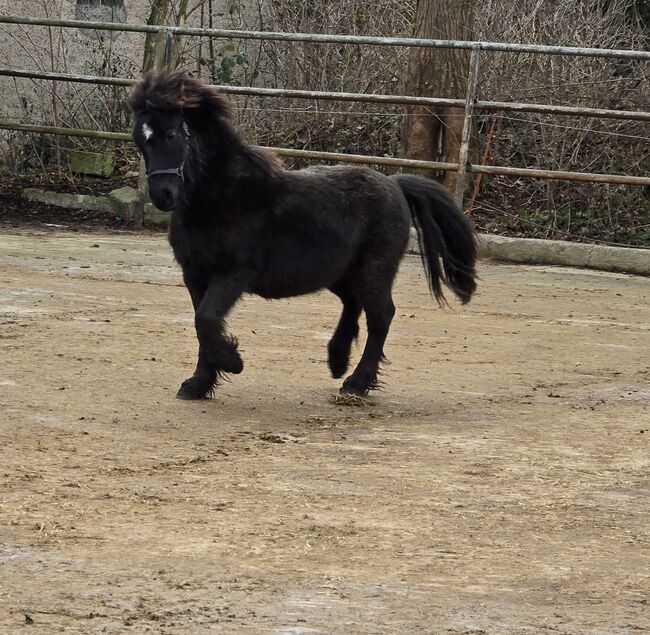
(72, 51)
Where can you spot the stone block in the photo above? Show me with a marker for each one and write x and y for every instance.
(534, 251)
(156, 217)
(71, 201)
(563, 253)
(125, 201)
(93, 163)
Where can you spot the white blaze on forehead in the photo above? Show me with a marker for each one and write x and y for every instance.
(147, 131)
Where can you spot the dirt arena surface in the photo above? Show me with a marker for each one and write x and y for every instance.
(499, 484)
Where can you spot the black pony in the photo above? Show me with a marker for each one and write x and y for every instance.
(241, 223)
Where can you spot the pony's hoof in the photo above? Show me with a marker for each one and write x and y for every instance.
(224, 356)
(337, 360)
(193, 389)
(349, 388)
(338, 367)
(227, 361)
(235, 365)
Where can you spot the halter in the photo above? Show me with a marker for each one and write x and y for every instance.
(179, 170)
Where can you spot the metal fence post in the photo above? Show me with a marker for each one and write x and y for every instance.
(162, 60)
(463, 151)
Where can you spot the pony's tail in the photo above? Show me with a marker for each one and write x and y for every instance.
(446, 237)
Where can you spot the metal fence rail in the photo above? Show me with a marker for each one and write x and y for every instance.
(585, 177)
(470, 104)
(371, 98)
(323, 38)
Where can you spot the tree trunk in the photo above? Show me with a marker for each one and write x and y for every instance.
(433, 134)
(162, 12)
(157, 15)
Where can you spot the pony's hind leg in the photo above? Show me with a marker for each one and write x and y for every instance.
(338, 348)
(379, 310)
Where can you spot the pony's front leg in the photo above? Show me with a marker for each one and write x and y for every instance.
(201, 383)
(217, 352)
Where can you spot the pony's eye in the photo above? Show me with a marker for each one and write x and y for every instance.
(170, 134)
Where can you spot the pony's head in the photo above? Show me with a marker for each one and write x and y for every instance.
(168, 109)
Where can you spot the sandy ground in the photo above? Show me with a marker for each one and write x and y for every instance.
(498, 484)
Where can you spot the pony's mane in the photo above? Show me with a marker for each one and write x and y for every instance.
(200, 104)
(177, 91)
(265, 161)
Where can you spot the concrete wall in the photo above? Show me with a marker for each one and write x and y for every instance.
(68, 51)
(73, 51)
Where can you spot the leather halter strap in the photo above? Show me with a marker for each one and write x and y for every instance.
(177, 171)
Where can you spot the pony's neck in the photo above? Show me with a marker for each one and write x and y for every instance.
(228, 172)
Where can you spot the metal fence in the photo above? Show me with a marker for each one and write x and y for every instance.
(470, 105)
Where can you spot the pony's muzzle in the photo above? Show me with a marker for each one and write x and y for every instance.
(163, 192)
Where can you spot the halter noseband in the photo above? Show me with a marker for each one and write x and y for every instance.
(177, 171)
